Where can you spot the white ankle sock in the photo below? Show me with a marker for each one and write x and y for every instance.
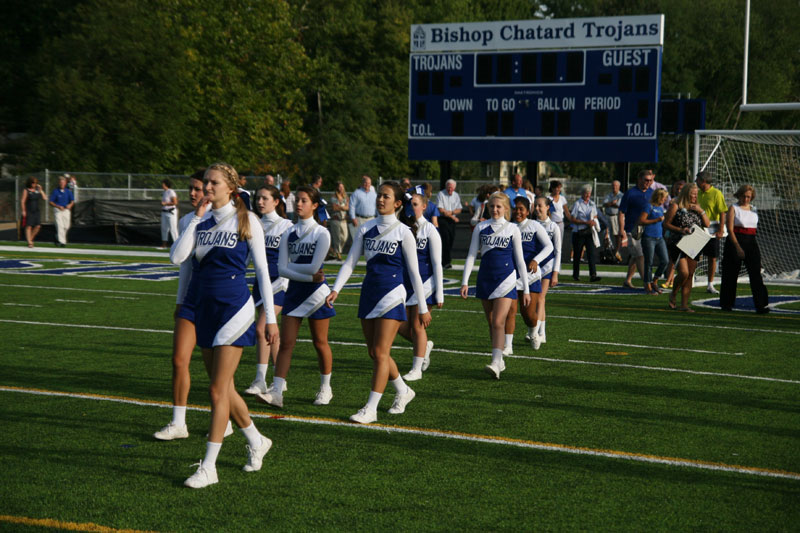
(374, 400)
(252, 435)
(210, 460)
(277, 384)
(497, 354)
(261, 372)
(417, 364)
(541, 327)
(509, 339)
(532, 331)
(325, 380)
(178, 415)
(399, 385)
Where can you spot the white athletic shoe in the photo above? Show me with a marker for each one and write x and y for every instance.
(508, 350)
(543, 338)
(256, 387)
(256, 455)
(427, 361)
(271, 397)
(365, 416)
(712, 290)
(202, 478)
(494, 369)
(172, 432)
(401, 400)
(536, 342)
(324, 396)
(413, 375)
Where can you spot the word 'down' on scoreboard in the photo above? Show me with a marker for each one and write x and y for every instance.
(582, 89)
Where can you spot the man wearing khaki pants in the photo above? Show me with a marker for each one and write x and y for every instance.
(62, 201)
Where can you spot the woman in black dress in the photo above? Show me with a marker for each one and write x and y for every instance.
(31, 215)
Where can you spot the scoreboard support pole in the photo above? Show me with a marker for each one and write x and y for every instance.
(445, 171)
(533, 172)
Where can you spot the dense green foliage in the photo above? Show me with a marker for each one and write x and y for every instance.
(312, 86)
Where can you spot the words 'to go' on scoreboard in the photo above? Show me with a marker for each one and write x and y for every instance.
(583, 89)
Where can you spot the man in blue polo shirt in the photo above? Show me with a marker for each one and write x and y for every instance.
(62, 201)
(634, 201)
(515, 189)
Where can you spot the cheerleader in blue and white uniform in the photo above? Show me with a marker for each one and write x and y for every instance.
(302, 250)
(220, 247)
(500, 244)
(269, 204)
(550, 266)
(389, 248)
(536, 247)
(429, 259)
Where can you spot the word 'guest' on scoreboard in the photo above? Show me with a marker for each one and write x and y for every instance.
(584, 89)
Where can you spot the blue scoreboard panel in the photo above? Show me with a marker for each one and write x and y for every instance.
(578, 104)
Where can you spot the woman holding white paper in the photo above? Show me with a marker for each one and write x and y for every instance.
(683, 214)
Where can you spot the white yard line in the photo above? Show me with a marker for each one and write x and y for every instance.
(21, 305)
(454, 435)
(668, 348)
(457, 352)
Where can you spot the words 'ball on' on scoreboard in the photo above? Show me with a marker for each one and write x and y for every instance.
(558, 90)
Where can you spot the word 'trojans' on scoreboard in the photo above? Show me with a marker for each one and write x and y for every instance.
(583, 89)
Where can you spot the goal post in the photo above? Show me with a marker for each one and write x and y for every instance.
(769, 160)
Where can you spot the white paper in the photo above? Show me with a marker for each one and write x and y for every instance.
(692, 243)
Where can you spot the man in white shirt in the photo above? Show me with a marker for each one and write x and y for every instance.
(449, 203)
(169, 213)
(362, 202)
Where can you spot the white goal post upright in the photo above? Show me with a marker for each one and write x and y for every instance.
(769, 160)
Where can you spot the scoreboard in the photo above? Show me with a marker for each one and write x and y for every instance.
(512, 100)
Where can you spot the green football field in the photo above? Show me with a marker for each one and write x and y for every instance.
(631, 416)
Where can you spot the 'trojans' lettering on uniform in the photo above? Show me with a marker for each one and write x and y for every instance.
(225, 239)
(302, 248)
(380, 246)
(495, 241)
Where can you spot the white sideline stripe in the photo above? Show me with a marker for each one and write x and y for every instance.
(85, 290)
(73, 301)
(457, 352)
(655, 347)
(484, 439)
(446, 310)
(121, 297)
(21, 305)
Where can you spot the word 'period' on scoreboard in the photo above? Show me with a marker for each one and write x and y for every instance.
(541, 90)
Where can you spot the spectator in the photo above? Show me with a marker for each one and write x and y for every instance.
(584, 232)
(288, 199)
(362, 202)
(340, 204)
(653, 241)
(741, 245)
(529, 194)
(634, 201)
(405, 184)
(537, 191)
(611, 209)
(449, 204)
(317, 182)
(558, 206)
(72, 185)
(31, 215)
(62, 201)
(481, 212)
(244, 194)
(712, 201)
(169, 213)
(684, 213)
(515, 189)
(670, 274)
(269, 179)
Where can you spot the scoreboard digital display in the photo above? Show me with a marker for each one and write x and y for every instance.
(581, 103)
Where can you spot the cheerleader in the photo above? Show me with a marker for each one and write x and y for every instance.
(302, 250)
(500, 244)
(220, 246)
(388, 245)
(536, 248)
(549, 267)
(183, 336)
(429, 259)
(269, 205)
